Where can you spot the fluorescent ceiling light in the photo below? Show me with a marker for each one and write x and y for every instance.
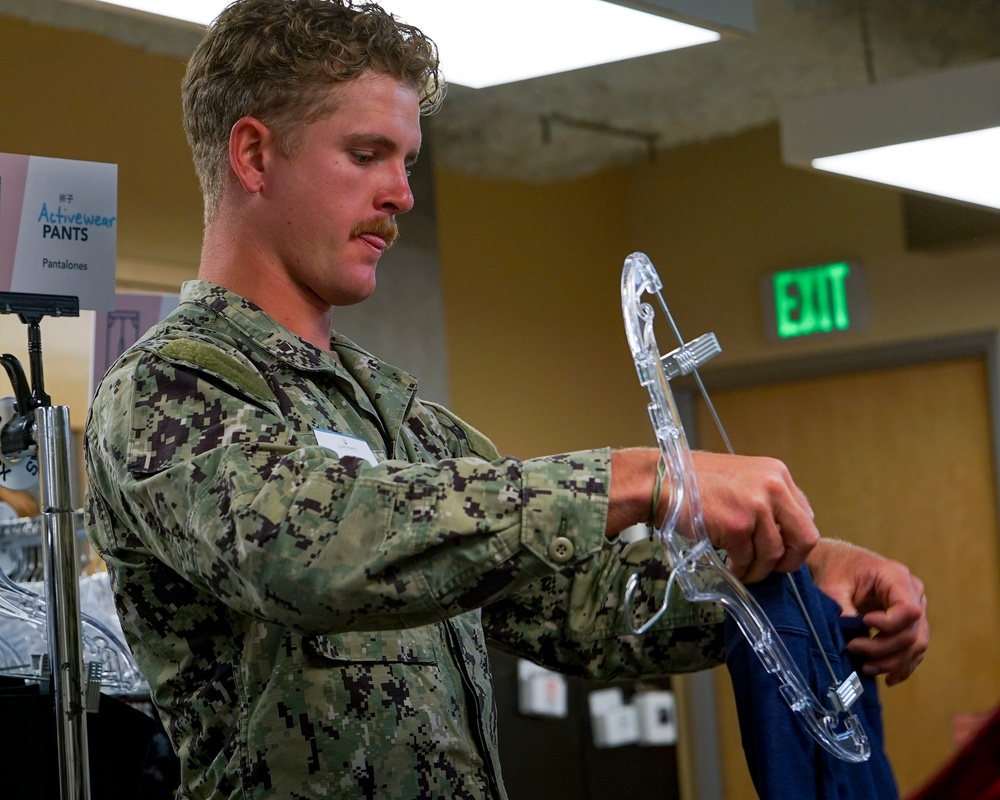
(489, 42)
(936, 134)
(964, 166)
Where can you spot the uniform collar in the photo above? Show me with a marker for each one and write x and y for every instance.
(287, 347)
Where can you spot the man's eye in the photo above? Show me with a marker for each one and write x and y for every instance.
(362, 158)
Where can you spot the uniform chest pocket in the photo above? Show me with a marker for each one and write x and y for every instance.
(412, 646)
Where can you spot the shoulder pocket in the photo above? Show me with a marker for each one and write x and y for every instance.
(188, 397)
(230, 367)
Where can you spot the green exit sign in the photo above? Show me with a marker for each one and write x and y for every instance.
(815, 300)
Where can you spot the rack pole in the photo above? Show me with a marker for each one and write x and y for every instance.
(63, 599)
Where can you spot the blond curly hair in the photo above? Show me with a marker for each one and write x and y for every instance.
(276, 60)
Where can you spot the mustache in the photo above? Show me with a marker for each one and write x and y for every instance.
(383, 227)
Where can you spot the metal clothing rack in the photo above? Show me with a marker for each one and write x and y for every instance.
(42, 430)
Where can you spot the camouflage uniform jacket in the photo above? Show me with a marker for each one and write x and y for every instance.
(315, 626)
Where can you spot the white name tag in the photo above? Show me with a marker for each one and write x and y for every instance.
(345, 446)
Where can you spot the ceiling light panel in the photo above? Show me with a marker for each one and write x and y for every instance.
(936, 134)
(485, 43)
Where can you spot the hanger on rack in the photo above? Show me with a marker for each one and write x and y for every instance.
(24, 625)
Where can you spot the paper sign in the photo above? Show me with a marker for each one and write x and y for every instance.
(59, 228)
(345, 445)
(117, 330)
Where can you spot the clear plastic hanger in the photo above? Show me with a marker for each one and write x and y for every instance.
(24, 625)
(697, 568)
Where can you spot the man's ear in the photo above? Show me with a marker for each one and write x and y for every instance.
(250, 141)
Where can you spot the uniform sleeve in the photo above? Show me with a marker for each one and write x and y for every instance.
(206, 476)
(572, 620)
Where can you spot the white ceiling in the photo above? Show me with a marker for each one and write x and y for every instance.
(624, 112)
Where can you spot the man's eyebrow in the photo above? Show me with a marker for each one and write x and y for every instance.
(380, 140)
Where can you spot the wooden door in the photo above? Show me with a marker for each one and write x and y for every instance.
(899, 460)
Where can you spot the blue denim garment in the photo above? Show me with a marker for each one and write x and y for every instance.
(785, 762)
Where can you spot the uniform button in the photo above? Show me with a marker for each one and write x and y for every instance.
(560, 549)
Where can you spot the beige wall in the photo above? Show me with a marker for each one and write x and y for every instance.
(70, 94)
(530, 277)
(531, 297)
(722, 215)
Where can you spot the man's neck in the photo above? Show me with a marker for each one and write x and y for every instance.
(237, 263)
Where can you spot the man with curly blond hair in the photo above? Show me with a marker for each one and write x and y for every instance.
(313, 622)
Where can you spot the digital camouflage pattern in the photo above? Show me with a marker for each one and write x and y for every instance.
(313, 626)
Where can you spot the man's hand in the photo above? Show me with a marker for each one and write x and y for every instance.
(751, 507)
(889, 599)
(755, 512)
